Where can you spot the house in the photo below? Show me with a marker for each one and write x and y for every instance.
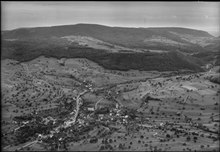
(101, 116)
(208, 66)
(117, 105)
(91, 109)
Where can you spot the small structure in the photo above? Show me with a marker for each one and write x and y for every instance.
(188, 87)
(208, 66)
(91, 109)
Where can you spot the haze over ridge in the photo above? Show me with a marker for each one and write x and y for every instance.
(196, 15)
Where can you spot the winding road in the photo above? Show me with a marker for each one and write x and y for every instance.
(78, 105)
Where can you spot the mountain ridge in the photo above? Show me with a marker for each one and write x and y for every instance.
(93, 26)
(122, 36)
(94, 42)
(100, 25)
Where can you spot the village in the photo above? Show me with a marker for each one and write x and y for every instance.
(48, 109)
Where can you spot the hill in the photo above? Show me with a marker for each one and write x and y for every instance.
(147, 38)
(167, 61)
(111, 47)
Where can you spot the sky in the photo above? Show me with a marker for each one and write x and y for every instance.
(197, 15)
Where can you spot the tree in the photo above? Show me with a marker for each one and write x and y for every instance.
(188, 138)
(110, 140)
(168, 136)
(120, 146)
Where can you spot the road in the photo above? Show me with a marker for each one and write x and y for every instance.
(28, 144)
(78, 105)
(72, 122)
(96, 105)
(13, 148)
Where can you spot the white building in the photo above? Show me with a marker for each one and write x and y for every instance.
(91, 109)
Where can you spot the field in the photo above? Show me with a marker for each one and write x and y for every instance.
(76, 104)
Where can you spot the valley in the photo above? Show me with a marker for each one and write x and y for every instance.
(75, 104)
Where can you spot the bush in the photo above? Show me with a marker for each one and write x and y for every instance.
(188, 138)
(168, 136)
(93, 140)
